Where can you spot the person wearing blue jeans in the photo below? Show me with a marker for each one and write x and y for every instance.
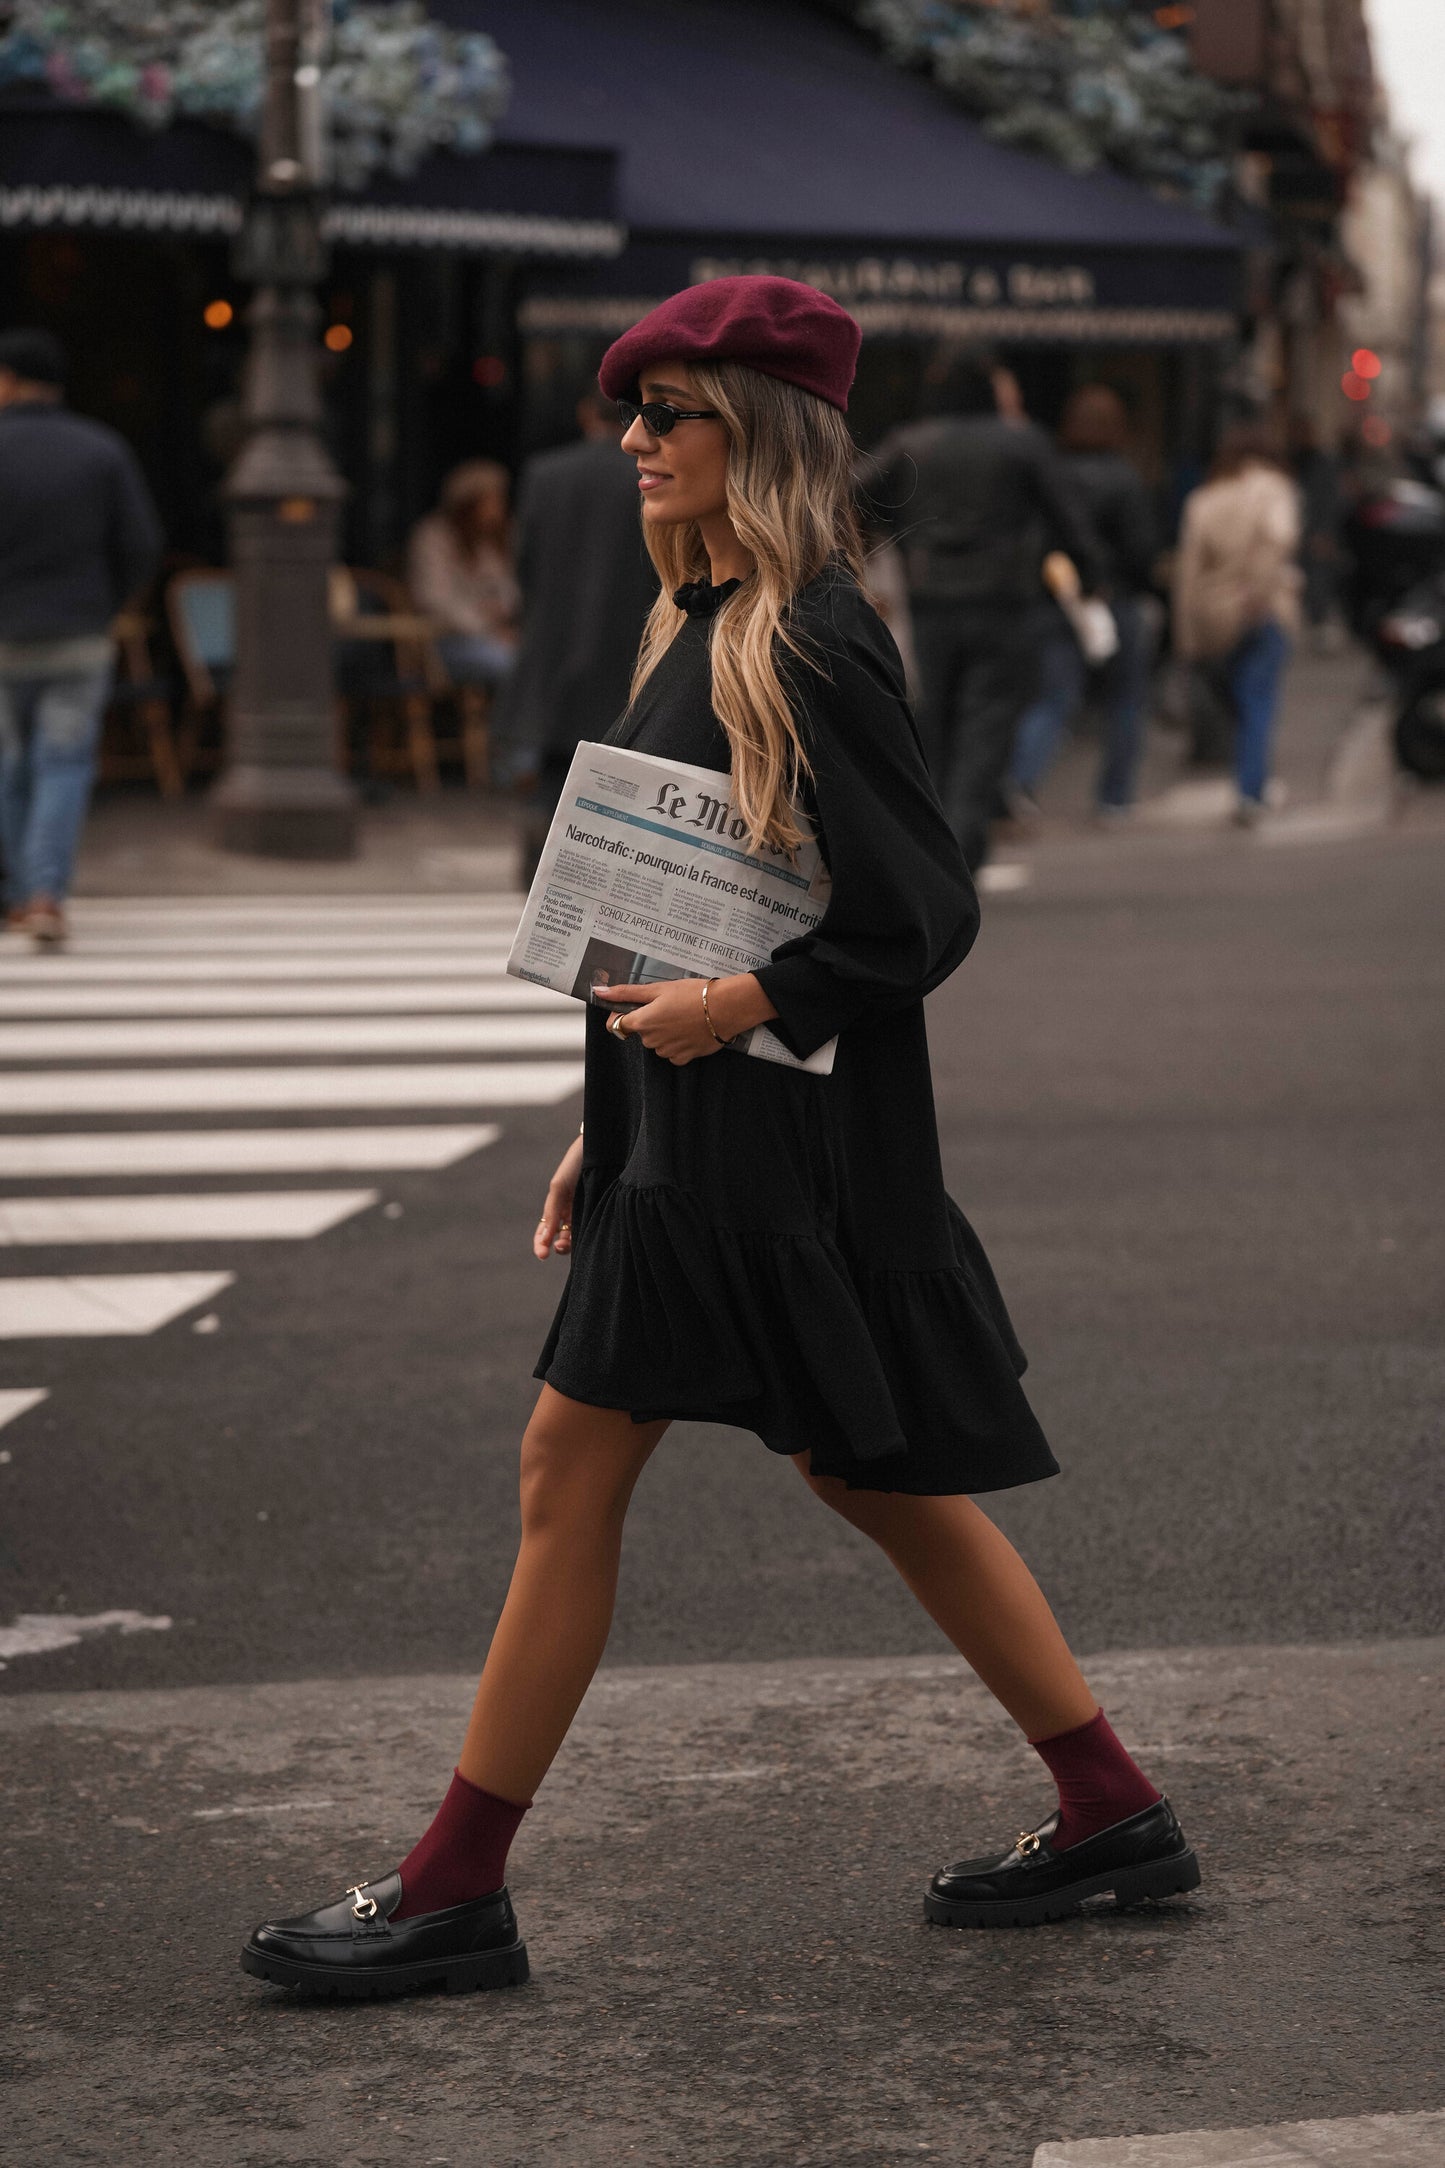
(1253, 671)
(78, 537)
(1063, 681)
(1093, 436)
(49, 732)
(1236, 593)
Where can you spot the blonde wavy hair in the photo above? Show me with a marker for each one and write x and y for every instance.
(790, 499)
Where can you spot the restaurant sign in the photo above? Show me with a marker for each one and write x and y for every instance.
(910, 278)
(1118, 296)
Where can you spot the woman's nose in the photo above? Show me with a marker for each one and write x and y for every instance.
(639, 437)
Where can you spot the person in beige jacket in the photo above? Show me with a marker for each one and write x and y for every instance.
(1236, 592)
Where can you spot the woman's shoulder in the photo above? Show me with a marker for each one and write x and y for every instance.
(834, 617)
(851, 670)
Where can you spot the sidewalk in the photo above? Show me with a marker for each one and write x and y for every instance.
(458, 843)
(1333, 760)
(721, 1890)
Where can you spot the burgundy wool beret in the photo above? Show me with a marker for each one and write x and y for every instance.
(777, 326)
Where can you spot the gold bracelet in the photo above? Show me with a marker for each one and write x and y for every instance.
(707, 1013)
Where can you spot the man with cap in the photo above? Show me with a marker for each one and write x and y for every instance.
(587, 587)
(78, 536)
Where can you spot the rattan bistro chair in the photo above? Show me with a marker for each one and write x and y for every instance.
(201, 612)
(139, 737)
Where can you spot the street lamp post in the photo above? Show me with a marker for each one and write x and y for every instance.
(281, 793)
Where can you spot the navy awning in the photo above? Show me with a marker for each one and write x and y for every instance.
(63, 166)
(766, 134)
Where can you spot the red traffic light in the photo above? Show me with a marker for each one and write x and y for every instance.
(1365, 362)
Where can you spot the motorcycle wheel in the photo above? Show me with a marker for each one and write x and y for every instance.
(1420, 736)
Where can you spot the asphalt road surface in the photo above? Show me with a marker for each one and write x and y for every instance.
(1190, 1093)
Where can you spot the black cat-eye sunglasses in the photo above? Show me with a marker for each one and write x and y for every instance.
(658, 417)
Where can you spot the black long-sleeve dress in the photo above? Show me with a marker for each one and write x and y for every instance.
(762, 1247)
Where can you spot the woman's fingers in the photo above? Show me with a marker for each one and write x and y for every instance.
(554, 1228)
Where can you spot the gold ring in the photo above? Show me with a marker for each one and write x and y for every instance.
(564, 1227)
(614, 1023)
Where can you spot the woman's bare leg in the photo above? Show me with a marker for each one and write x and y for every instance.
(972, 1583)
(579, 1467)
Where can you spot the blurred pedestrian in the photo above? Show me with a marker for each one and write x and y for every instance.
(1317, 472)
(79, 536)
(746, 1243)
(586, 586)
(1092, 436)
(1236, 593)
(976, 501)
(460, 571)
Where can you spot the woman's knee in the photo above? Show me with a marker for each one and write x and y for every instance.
(859, 1507)
(579, 1464)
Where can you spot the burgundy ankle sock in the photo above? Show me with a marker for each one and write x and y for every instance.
(1099, 1783)
(463, 1854)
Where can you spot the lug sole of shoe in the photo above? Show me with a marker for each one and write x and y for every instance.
(356, 1983)
(1154, 1878)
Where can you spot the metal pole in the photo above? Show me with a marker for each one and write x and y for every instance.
(281, 793)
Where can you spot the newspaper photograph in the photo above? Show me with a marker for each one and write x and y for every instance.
(646, 875)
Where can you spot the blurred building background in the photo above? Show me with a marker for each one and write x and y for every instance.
(1204, 205)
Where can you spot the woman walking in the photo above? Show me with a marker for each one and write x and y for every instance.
(750, 1244)
(1236, 594)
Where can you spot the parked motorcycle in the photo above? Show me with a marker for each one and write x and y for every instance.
(1395, 539)
(1410, 639)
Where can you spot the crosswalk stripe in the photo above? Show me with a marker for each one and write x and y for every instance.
(102, 1304)
(281, 1215)
(135, 1152)
(189, 940)
(73, 970)
(18, 1399)
(182, 1038)
(304, 997)
(295, 910)
(402, 1084)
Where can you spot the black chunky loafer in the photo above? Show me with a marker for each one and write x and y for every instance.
(353, 1948)
(1145, 1856)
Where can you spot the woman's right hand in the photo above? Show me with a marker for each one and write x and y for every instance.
(554, 1228)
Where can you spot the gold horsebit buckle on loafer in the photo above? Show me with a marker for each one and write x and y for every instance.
(1028, 1841)
(365, 1908)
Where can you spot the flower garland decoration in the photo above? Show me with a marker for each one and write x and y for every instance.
(1087, 83)
(395, 83)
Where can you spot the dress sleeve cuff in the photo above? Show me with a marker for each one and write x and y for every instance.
(806, 999)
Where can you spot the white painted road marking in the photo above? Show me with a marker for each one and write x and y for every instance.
(30, 970)
(1356, 2141)
(281, 1215)
(242, 1151)
(95, 1305)
(183, 1038)
(300, 997)
(35, 1634)
(299, 940)
(18, 1399)
(403, 1084)
(296, 911)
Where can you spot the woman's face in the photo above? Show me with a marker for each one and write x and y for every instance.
(483, 516)
(682, 476)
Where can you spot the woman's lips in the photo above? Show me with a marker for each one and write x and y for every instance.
(651, 481)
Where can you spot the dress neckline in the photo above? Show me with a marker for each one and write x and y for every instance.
(701, 599)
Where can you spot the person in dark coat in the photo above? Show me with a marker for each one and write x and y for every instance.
(976, 500)
(1092, 436)
(78, 537)
(587, 586)
(752, 1244)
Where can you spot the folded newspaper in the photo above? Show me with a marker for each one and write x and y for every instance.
(646, 875)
